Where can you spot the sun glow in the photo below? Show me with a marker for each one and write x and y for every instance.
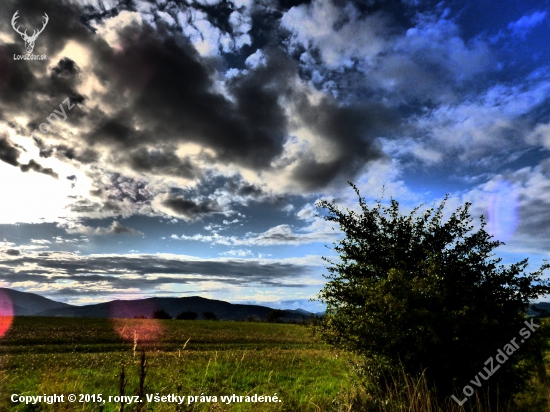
(31, 197)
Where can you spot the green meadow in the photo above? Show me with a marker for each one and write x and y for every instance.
(46, 356)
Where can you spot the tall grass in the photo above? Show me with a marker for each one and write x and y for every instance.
(215, 358)
(401, 393)
(67, 356)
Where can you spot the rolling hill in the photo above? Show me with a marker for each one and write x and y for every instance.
(30, 304)
(26, 304)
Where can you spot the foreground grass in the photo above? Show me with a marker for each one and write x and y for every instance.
(64, 356)
(86, 356)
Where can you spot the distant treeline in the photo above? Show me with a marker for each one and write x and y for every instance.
(274, 316)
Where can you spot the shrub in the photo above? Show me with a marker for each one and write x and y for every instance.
(275, 315)
(209, 316)
(187, 316)
(161, 314)
(428, 294)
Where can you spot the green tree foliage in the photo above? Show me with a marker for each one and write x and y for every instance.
(426, 294)
(209, 315)
(161, 314)
(187, 315)
(275, 315)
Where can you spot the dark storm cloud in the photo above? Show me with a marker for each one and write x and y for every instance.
(64, 79)
(27, 80)
(350, 132)
(116, 228)
(5, 68)
(518, 207)
(9, 153)
(65, 68)
(176, 102)
(113, 195)
(120, 188)
(162, 161)
(177, 105)
(242, 192)
(243, 189)
(44, 149)
(116, 188)
(50, 267)
(27, 91)
(190, 209)
(32, 165)
(65, 22)
(64, 151)
(218, 14)
(162, 94)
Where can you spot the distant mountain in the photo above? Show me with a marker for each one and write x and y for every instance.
(542, 307)
(308, 314)
(30, 304)
(26, 304)
(173, 306)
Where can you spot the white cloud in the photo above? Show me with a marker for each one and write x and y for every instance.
(314, 25)
(107, 276)
(61, 240)
(318, 231)
(197, 28)
(516, 206)
(525, 24)
(208, 39)
(478, 126)
(436, 40)
(307, 212)
(540, 135)
(208, 2)
(238, 253)
(424, 62)
(421, 149)
(41, 241)
(109, 28)
(255, 59)
(114, 229)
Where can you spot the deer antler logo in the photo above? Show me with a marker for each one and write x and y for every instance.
(29, 40)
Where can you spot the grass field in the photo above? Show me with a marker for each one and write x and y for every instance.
(85, 356)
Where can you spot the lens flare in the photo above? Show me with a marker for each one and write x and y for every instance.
(139, 331)
(6, 313)
(502, 211)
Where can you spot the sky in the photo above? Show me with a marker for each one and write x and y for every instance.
(178, 148)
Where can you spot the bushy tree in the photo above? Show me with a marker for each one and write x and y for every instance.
(275, 315)
(426, 294)
(209, 315)
(161, 314)
(187, 315)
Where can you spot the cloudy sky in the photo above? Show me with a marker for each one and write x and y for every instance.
(178, 148)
